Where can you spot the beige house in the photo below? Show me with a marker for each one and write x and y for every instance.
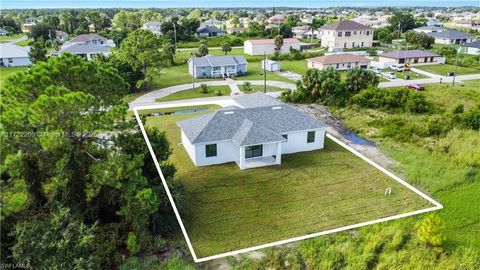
(343, 61)
(412, 57)
(346, 34)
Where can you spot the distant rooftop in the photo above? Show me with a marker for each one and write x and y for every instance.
(339, 58)
(272, 41)
(87, 37)
(84, 48)
(218, 60)
(345, 25)
(451, 34)
(408, 54)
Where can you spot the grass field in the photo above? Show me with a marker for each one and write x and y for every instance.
(5, 39)
(455, 184)
(227, 209)
(446, 68)
(195, 93)
(299, 66)
(260, 88)
(6, 72)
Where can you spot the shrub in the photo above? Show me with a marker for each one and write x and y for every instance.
(400, 99)
(247, 86)
(429, 231)
(132, 244)
(471, 118)
(218, 93)
(203, 88)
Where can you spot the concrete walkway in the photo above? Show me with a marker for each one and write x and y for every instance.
(289, 75)
(233, 87)
(425, 73)
(149, 98)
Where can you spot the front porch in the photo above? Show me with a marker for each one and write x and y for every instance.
(259, 162)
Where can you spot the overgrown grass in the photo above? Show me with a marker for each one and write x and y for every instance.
(5, 39)
(6, 72)
(261, 88)
(228, 209)
(444, 69)
(196, 93)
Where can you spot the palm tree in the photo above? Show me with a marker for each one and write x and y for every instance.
(226, 47)
(278, 43)
(315, 24)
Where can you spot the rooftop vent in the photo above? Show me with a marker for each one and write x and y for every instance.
(277, 108)
(229, 112)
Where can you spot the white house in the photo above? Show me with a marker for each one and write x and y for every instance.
(270, 65)
(3, 32)
(88, 39)
(12, 55)
(153, 26)
(261, 46)
(448, 37)
(473, 48)
(217, 66)
(428, 29)
(255, 133)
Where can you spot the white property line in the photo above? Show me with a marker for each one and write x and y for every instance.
(294, 239)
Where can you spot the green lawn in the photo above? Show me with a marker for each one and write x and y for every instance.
(227, 209)
(172, 76)
(195, 93)
(261, 88)
(255, 72)
(5, 39)
(6, 72)
(25, 43)
(298, 66)
(446, 68)
(437, 168)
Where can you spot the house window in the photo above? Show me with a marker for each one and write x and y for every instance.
(367, 32)
(10, 60)
(217, 68)
(310, 136)
(415, 60)
(338, 65)
(253, 151)
(354, 32)
(347, 34)
(339, 34)
(285, 136)
(344, 45)
(431, 59)
(362, 44)
(353, 44)
(211, 150)
(349, 65)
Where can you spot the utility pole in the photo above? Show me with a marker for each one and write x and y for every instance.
(175, 35)
(456, 65)
(265, 72)
(193, 72)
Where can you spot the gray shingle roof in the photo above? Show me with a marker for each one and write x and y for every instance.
(248, 126)
(257, 99)
(85, 48)
(209, 29)
(475, 44)
(452, 34)
(408, 54)
(219, 60)
(345, 25)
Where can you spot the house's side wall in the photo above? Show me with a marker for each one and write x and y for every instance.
(357, 39)
(286, 47)
(269, 149)
(227, 151)
(248, 48)
(241, 69)
(190, 148)
(473, 50)
(17, 62)
(297, 142)
(311, 64)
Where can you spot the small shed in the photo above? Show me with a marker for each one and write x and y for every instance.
(271, 65)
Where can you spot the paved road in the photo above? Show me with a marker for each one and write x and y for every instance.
(13, 41)
(429, 80)
(149, 98)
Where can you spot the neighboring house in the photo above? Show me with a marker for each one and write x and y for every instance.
(276, 19)
(448, 37)
(346, 34)
(12, 55)
(87, 51)
(428, 29)
(304, 31)
(28, 26)
(212, 22)
(338, 61)
(270, 65)
(261, 46)
(3, 32)
(409, 57)
(60, 35)
(434, 23)
(217, 66)
(473, 48)
(236, 30)
(87, 39)
(209, 31)
(154, 26)
(254, 134)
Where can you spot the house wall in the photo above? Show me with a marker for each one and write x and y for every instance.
(227, 151)
(453, 41)
(341, 66)
(411, 61)
(260, 49)
(16, 62)
(297, 142)
(189, 147)
(472, 50)
(357, 39)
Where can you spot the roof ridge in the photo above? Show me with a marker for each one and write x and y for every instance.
(210, 115)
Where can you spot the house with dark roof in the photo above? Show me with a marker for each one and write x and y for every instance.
(448, 37)
(472, 48)
(3, 32)
(255, 133)
(209, 31)
(428, 29)
(217, 66)
(346, 34)
(410, 57)
(342, 61)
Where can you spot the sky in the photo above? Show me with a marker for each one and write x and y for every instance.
(11, 4)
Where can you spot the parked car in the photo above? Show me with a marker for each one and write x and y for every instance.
(376, 71)
(397, 67)
(416, 86)
(389, 75)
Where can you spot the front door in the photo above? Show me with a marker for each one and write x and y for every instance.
(253, 151)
